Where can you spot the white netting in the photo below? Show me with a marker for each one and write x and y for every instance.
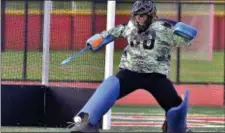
(199, 16)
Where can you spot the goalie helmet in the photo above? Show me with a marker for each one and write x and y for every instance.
(141, 7)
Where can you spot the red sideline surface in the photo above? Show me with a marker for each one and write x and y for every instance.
(203, 95)
(200, 95)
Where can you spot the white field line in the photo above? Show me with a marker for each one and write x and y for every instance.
(161, 114)
(159, 124)
(157, 120)
(137, 115)
(206, 120)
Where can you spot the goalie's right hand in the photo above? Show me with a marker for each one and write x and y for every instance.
(97, 41)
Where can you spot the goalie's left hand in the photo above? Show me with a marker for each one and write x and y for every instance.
(185, 31)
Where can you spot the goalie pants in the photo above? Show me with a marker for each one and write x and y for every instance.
(157, 84)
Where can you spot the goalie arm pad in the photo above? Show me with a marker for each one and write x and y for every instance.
(97, 41)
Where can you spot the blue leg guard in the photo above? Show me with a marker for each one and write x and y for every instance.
(177, 116)
(102, 100)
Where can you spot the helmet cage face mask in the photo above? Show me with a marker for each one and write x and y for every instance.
(142, 28)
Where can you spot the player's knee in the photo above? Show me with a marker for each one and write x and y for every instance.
(109, 87)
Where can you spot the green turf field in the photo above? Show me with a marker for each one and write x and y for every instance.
(90, 66)
(156, 114)
(200, 119)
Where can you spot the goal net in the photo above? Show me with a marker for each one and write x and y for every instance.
(200, 16)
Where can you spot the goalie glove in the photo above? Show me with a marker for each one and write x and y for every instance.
(97, 41)
(185, 31)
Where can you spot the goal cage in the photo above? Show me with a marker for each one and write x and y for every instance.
(54, 31)
(199, 16)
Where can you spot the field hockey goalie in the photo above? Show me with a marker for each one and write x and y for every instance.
(107, 93)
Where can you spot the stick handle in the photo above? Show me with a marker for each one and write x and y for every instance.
(74, 55)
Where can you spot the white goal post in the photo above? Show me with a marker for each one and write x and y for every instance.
(46, 41)
(111, 6)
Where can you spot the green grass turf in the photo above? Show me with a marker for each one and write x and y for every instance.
(193, 110)
(90, 66)
(155, 110)
(148, 110)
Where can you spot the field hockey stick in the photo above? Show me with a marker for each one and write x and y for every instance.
(74, 55)
(94, 44)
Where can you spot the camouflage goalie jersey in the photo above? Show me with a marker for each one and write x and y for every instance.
(149, 51)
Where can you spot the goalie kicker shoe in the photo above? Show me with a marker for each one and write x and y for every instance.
(83, 126)
(165, 126)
